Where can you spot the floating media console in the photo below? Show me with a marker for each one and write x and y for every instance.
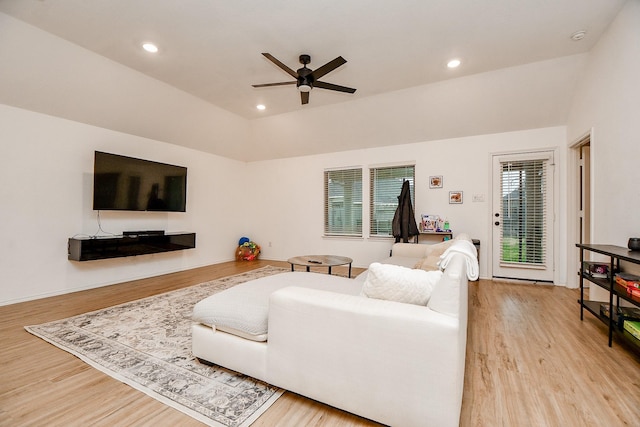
(141, 243)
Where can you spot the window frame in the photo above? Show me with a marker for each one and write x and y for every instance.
(388, 194)
(352, 214)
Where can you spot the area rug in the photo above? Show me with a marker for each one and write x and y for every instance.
(147, 344)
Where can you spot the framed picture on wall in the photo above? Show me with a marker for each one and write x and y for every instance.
(455, 197)
(435, 181)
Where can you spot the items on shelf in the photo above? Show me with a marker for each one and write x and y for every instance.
(623, 314)
(604, 310)
(597, 269)
(428, 222)
(629, 313)
(630, 282)
(633, 327)
(634, 243)
(431, 223)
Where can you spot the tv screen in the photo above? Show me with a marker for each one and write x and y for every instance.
(129, 184)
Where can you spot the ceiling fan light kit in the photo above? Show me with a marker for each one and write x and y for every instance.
(306, 78)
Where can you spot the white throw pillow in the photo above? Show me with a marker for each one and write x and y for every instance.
(400, 284)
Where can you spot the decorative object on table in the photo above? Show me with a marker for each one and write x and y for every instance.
(247, 250)
(147, 344)
(429, 222)
(634, 243)
(455, 197)
(436, 181)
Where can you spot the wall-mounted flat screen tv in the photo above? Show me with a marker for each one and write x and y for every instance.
(129, 184)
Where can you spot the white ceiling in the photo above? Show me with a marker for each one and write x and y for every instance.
(212, 48)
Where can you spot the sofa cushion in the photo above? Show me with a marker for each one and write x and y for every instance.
(432, 255)
(395, 260)
(400, 284)
(243, 310)
(428, 263)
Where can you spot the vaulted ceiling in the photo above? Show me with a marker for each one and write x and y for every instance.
(211, 49)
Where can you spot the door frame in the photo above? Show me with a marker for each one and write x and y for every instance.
(554, 213)
(573, 204)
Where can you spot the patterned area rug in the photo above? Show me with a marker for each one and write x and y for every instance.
(147, 345)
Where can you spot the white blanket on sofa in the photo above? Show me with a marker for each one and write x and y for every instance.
(466, 248)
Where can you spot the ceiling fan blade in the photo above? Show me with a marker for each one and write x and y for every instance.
(304, 96)
(331, 86)
(281, 65)
(328, 67)
(275, 84)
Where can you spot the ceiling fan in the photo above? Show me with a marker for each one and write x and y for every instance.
(307, 79)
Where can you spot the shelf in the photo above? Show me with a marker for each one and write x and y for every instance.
(90, 249)
(633, 341)
(622, 293)
(593, 307)
(602, 282)
(616, 292)
(614, 251)
(429, 235)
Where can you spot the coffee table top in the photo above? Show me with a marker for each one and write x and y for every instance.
(320, 260)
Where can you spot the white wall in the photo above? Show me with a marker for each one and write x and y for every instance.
(608, 100)
(46, 169)
(288, 193)
(47, 161)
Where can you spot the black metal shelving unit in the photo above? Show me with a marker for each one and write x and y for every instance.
(616, 292)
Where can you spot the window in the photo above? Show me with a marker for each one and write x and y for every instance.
(524, 211)
(385, 186)
(343, 202)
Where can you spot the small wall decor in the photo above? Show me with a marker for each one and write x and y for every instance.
(455, 197)
(435, 181)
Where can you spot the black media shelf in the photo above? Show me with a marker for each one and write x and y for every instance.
(616, 292)
(90, 248)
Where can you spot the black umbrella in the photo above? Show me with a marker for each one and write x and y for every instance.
(404, 221)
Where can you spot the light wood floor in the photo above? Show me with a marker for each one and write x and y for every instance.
(530, 362)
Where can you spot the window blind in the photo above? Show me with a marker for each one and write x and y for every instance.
(385, 186)
(343, 202)
(523, 211)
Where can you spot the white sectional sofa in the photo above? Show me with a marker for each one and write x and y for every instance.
(317, 335)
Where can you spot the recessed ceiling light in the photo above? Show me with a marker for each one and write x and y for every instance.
(453, 63)
(578, 35)
(150, 47)
(261, 107)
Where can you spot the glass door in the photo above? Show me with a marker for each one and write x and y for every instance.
(523, 216)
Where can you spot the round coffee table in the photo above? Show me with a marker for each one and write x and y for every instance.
(320, 261)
